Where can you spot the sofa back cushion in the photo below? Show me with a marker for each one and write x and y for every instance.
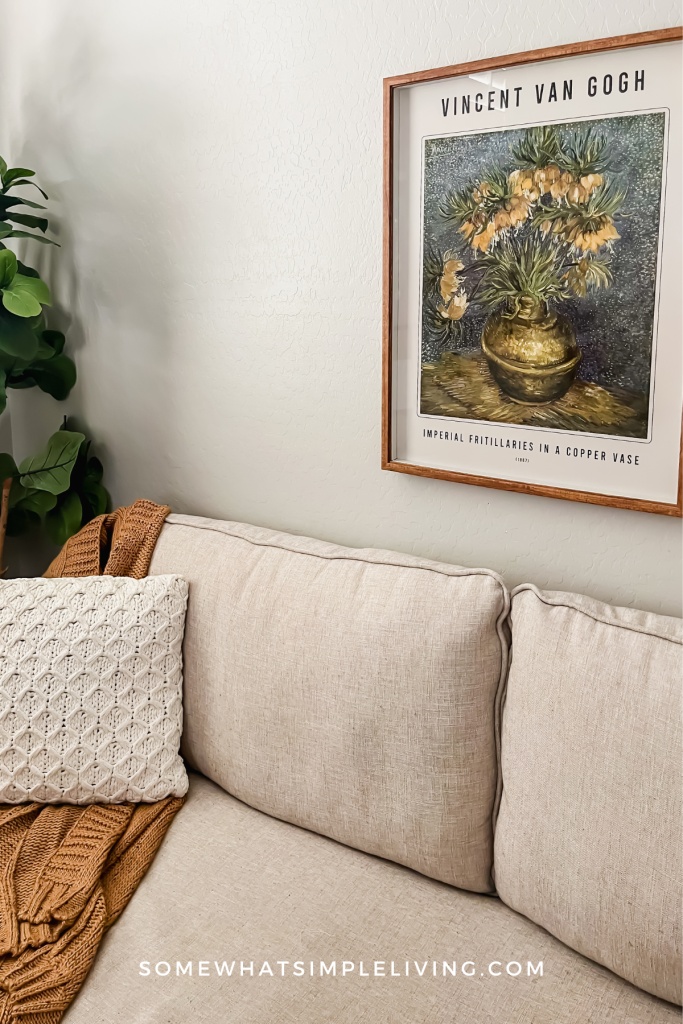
(588, 838)
(351, 692)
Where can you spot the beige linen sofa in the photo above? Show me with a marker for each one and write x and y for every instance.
(415, 799)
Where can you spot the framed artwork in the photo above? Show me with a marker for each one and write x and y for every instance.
(533, 272)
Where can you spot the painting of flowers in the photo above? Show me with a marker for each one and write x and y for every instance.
(539, 272)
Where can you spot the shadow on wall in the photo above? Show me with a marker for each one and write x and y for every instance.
(115, 272)
(28, 555)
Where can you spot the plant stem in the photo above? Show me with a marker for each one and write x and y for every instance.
(4, 508)
(476, 289)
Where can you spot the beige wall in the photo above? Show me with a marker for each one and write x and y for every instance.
(215, 169)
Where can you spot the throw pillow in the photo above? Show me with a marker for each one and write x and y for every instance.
(91, 689)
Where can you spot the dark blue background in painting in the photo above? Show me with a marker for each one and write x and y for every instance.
(613, 326)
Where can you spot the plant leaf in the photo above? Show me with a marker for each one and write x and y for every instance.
(16, 172)
(86, 479)
(17, 493)
(19, 369)
(7, 201)
(29, 202)
(8, 466)
(3, 167)
(28, 220)
(38, 238)
(27, 271)
(20, 302)
(8, 267)
(36, 287)
(50, 470)
(20, 381)
(56, 340)
(24, 295)
(17, 335)
(5, 230)
(97, 497)
(94, 471)
(36, 501)
(56, 376)
(24, 182)
(65, 520)
(45, 351)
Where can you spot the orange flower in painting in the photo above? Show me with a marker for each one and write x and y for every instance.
(485, 237)
(591, 181)
(594, 240)
(559, 189)
(450, 280)
(577, 194)
(541, 226)
(455, 308)
(518, 208)
(586, 240)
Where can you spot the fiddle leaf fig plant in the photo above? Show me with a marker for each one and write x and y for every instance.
(50, 469)
(11, 177)
(30, 354)
(60, 486)
(22, 295)
(50, 369)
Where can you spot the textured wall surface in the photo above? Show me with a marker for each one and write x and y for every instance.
(215, 170)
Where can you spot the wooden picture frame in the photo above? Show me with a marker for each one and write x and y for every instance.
(658, 488)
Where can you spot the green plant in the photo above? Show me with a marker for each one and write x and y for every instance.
(30, 354)
(22, 294)
(11, 177)
(61, 486)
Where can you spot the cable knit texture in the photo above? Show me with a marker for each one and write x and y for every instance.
(91, 689)
(67, 872)
(118, 544)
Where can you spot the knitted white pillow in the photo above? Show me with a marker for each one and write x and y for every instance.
(91, 689)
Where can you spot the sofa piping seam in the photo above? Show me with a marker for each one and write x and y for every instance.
(529, 587)
(351, 558)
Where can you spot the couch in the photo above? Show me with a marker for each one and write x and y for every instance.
(414, 798)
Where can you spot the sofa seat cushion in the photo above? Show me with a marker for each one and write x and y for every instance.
(352, 692)
(589, 836)
(233, 884)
